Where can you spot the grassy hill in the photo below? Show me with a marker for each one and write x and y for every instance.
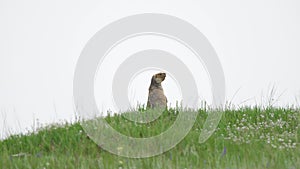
(245, 138)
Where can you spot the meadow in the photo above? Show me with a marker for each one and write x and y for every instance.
(246, 137)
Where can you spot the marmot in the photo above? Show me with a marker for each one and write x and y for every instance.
(156, 96)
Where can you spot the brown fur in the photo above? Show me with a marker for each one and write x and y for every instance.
(156, 96)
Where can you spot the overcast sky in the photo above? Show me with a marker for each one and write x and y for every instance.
(257, 43)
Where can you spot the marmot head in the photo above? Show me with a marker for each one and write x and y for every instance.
(158, 78)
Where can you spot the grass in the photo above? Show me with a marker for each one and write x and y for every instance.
(245, 138)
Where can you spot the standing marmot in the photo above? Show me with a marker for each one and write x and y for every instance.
(156, 97)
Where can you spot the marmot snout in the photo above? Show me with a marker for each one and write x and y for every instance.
(156, 97)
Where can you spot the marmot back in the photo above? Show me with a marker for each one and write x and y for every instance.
(156, 96)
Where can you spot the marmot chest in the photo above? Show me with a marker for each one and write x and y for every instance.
(157, 98)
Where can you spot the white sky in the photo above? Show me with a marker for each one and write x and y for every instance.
(257, 43)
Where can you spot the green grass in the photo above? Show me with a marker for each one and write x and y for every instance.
(245, 138)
